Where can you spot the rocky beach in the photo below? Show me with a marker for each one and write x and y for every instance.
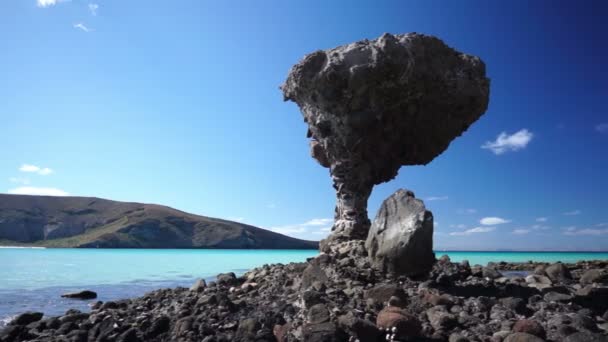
(371, 107)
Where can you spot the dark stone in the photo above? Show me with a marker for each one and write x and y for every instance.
(86, 294)
(407, 326)
(557, 297)
(490, 272)
(78, 336)
(375, 105)
(129, 336)
(400, 240)
(383, 292)
(558, 272)
(324, 332)
(313, 273)
(586, 337)
(531, 327)
(159, 326)
(27, 318)
(594, 276)
(317, 314)
(226, 278)
(199, 285)
(523, 337)
(362, 329)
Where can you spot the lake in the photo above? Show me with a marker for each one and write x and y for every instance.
(34, 279)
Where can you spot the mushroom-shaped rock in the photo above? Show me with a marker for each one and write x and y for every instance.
(375, 105)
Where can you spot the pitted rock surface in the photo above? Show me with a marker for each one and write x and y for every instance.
(375, 105)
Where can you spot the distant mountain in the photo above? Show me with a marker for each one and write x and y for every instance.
(94, 222)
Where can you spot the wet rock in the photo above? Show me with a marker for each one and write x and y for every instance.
(226, 278)
(86, 294)
(370, 104)
(199, 285)
(27, 318)
(400, 240)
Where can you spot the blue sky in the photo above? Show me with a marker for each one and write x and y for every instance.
(177, 103)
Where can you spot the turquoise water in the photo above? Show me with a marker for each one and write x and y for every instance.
(34, 279)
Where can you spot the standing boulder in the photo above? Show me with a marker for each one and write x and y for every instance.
(400, 240)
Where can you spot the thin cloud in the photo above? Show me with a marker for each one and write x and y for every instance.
(505, 142)
(30, 190)
(602, 127)
(542, 219)
(43, 171)
(466, 211)
(476, 230)
(437, 198)
(573, 212)
(521, 231)
(491, 221)
(19, 180)
(459, 226)
(540, 227)
(309, 226)
(93, 8)
(586, 231)
(81, 26)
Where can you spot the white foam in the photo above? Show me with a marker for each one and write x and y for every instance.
(6, 320)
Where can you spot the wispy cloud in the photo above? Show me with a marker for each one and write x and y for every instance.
(93, 8)
(505, 142)
(521, 231)
(542, 219)
(81, 26)
(30, 190)
(19, 180)
(491, 221)
(437, 198)
(540, 227)
(459, 226)
(476, 230)
(585, 231)
(309, 226)
(466, 211)
(43, 171)
(573, 212)
(602, 127)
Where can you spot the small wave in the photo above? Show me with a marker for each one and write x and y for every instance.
(6, 320)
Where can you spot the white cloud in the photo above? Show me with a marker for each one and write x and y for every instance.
(82, 27)
(93, 8)
(585, 231)
(541, 219)
(602, 127)
(505, 142)
(236, 219)
(30, 190)
(319, 222)
(573, 212)
(49, 3)
(540, 227)
(521, 231)
(306, 227)
(437, 198)
(46, 3)
(491, 221)
(19, 180)
(474, 231)
(460, 226)
(43, 171)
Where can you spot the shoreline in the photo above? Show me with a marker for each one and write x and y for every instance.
(356, 299)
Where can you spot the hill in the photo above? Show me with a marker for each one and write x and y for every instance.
(94, 222)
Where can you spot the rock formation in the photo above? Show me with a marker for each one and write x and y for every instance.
(375, 105)
(400, 240)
